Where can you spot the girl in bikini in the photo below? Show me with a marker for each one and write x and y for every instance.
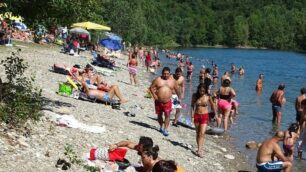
(290, 139)
(199, 113)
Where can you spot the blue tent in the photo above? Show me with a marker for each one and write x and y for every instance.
(21, 26)
(113, 36)
(111, 44)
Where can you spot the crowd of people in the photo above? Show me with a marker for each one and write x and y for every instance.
(208, 99)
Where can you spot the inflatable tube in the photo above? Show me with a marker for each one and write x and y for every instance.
(186, 122)
(71, 82)
(214, 130)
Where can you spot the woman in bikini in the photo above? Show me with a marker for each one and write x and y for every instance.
(199, 113)
(225, 103)
(132, 67)
(290, 139)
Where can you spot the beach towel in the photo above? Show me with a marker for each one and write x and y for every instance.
(70, 122)
(106, 155)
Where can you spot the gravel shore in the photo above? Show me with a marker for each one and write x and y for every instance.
(45, 142)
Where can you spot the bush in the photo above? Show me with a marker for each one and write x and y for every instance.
(19, 100)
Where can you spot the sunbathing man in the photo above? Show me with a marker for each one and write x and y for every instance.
(270, 149)
(161, 89)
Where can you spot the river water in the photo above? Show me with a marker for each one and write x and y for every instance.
(255, 114)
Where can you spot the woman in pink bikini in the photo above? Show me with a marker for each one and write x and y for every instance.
(132, 66)
(225, 103)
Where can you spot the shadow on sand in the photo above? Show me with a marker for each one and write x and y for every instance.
(144, 125)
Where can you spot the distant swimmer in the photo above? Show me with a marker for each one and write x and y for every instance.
(161, 89)
(259, 82)
(269, 150)
(215, 73)
(233, 68)
(241, 71)
(225, 76)
(189, 71)
(278, 99)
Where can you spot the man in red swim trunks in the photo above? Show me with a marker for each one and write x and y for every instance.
(161, 90)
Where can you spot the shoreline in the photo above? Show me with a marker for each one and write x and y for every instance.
(46, 143)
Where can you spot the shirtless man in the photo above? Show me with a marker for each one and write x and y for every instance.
(176, 104)
(298, 106)
(189, 71)
(259, 82)
(277, 99)
(268, 149)
(161, 90)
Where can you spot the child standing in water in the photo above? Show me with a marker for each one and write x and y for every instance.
(290, 139)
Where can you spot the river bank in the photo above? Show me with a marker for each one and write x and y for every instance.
(41, 144)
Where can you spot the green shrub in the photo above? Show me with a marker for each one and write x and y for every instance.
(19, 99)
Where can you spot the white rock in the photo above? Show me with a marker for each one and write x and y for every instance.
(223, 150)
(228, 156)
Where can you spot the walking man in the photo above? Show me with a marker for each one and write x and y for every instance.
(161, 89)
(176, 104)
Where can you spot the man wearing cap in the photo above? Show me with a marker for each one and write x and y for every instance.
(278, 99)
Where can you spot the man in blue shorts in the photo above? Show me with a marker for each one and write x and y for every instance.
(277, 99)
(268, 151)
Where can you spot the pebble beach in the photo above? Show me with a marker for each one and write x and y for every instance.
(42, 143)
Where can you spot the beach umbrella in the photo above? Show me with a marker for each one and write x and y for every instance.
(113, 36)
(91, 25)
(78, 30)
(21, 26)
(111, 44)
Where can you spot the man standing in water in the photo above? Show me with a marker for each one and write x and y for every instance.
(269, 150)
(277, 99)
(161, 89)
(189, 71)
(298, 106)
(176, 104)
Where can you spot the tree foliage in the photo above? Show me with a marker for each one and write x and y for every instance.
(19, 99)
(273, 24)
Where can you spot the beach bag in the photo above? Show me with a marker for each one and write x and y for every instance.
(65, 89)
